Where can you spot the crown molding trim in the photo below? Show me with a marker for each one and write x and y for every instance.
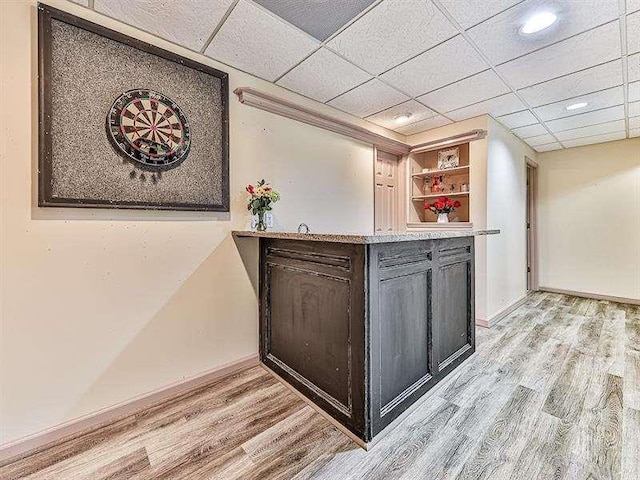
(279, 106)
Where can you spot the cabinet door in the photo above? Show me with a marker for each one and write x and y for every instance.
(401, 328)
(312, 322)
(454, 334)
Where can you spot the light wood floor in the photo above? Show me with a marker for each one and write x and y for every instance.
(553, 393)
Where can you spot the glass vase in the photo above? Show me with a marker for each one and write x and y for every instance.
(443, 218)
(261, 226)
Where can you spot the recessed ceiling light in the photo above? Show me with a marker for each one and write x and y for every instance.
(576, 106)
(402, 118)
(538, 22)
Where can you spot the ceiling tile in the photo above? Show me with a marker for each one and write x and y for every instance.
(323, 76)
(634, 67)
(471, 12)
(320, 18)
(500, 38)
(453, 60)
(591, 130)
(585, 119)
(576, 53)
(547, 147)
(634, 92)
(633, 5)
(372, 97)
(391, 33)
(84, 3)
(607, 137)
(540, 140)
(579, 83)
(634, 133)
(634, 109)
(188, 23)
(465, 92)
(518, 119)
(259, 43)
(418, 112)
(634, 122)
(496, 106)
(633, 33)
(423, 125)
(529, 131)
(596, 101)
(440, 66)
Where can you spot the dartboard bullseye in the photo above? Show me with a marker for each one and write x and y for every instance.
(150, 128)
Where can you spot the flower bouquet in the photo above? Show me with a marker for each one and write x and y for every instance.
(442, 207)
(261, 196)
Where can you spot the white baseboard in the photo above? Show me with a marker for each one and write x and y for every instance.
(596, 296)
(64, 431)
(494, 319)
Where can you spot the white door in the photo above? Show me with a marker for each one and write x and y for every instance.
(386, 192)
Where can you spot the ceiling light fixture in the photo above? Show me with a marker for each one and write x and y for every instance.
(402, 118)
(538, 22)
(576, 106)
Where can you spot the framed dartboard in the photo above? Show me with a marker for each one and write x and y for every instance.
(125, 124)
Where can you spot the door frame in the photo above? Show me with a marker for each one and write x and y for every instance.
(531, 230)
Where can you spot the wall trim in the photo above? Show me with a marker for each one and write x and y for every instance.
(270, 103)
(47, 438)
(498, 317)
(595, 296)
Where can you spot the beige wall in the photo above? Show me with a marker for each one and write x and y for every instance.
(99, 306)
(589, 219)
(506, 210)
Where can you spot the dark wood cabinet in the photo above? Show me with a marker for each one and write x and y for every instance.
(364, 330)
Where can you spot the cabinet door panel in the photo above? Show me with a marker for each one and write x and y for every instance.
(406, 316)
(455, 323)
(401, 321)
(311, 334)
(312, 323)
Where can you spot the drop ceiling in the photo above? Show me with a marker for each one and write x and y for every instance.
(440, 61)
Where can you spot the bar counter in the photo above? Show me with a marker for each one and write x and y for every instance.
(365, 325)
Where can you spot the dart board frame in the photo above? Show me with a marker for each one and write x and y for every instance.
(140, 172)
(140, 108)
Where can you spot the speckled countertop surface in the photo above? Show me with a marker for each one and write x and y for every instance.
(353, 238)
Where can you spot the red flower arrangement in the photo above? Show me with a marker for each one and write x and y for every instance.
(442, 205)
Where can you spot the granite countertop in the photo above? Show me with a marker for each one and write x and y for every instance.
(354, 238)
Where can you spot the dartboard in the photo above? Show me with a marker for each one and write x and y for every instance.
(148, 127)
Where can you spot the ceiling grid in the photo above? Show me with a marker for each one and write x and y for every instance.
(427, 62)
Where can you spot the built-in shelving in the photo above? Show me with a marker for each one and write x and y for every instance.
(428, 180)
(448, 171)
(438, 195)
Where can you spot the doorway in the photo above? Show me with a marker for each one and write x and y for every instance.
(386, 195)
(531, 224)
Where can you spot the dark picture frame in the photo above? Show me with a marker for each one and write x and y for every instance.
(45, 154)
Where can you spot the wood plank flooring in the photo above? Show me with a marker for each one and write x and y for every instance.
(552, 393)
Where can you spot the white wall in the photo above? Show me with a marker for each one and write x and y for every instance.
(506, 210)
(589, 219)
(99, 306)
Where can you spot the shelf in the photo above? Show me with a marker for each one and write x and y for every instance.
(438, 195)
(422, 226)
(441, 172)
